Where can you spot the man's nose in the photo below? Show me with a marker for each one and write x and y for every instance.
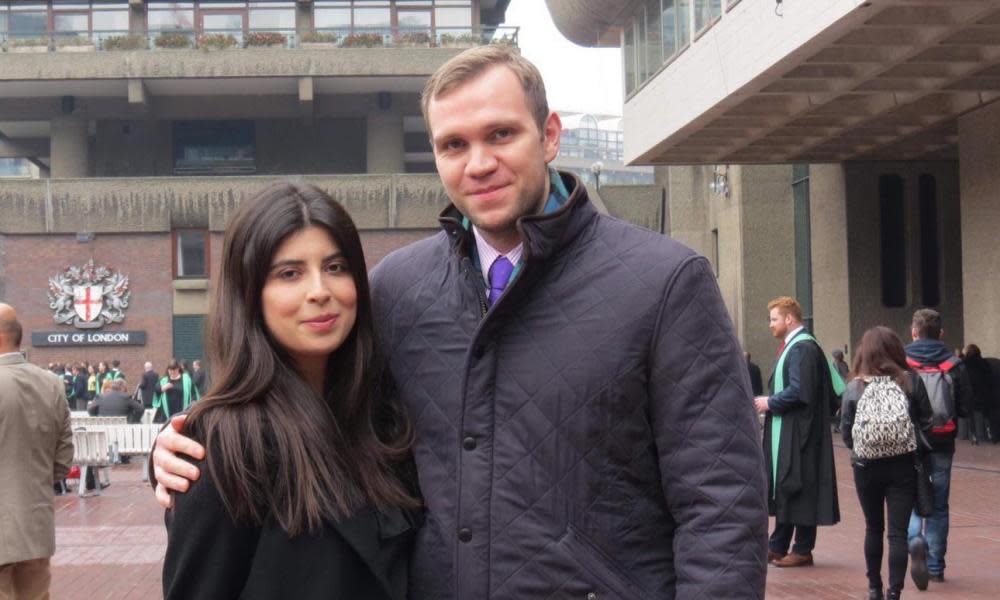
(481, 161)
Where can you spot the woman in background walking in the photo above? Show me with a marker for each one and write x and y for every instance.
(885, 414)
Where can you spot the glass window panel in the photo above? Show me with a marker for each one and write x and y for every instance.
(71, 22)
(416, 19)
(29, 6)
(668, 17)
(157, 4)
(930, 280)
(3, 20)
(28, 24)
(334, 3)
(683, 23)
(14, 167)
(110, 20)
(272, 5)
(227, 24)
(64, 5)
(628, 55)
(705, 12)
(372, 17)
(190, 253)
(272, 19)
(453, 17)
(332, 17)
(171, 19)
(654, 46)
(640, 47)
(892, 240)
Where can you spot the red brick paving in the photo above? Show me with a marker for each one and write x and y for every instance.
(111, 546)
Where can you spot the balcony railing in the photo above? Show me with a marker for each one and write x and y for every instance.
(220, 39)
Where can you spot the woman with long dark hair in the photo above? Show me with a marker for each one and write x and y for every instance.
(304, 493)
(885, 415)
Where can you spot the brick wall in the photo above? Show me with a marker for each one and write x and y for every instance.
(31, 260)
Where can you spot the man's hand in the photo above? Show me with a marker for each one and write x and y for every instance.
(760, 403)
(173, 473)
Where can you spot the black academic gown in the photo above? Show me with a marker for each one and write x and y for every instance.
(806, 491)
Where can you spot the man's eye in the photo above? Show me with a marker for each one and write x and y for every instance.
(503, 134)
(454, 145)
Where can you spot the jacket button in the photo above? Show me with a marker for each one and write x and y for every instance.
(464, 534)
(591, 596)
(469, 443)
(478, 351)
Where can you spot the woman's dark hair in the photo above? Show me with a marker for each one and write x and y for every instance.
(972, 351)
(881, 353)
(175, 365)
(275, 447)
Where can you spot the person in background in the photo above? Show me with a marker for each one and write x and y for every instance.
(980, 380)
(894, 419)
(951, 398)
(91, 382)
(198, 377)
(80, 387)
(147, 385)
(115, 401)
(798, 444)
(116, 371)
(756, 381)
(36, 449)
(174, 392)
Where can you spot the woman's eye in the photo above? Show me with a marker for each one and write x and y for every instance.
(337, 268)
(287, 275)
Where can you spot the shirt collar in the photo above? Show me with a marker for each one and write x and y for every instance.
(6, 354)
(793, 333)
(488, 254)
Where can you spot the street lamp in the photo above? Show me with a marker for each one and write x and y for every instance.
(596, 169)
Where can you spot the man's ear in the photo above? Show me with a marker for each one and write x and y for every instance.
(551, 136)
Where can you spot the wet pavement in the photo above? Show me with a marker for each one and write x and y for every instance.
(111, 546)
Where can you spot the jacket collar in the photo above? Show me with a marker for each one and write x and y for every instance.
(12, 358)
(383, 554)
(544, 234)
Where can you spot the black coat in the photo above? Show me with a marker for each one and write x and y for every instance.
(756, 381)
(806, 491)
(147, 388)
(211, 557)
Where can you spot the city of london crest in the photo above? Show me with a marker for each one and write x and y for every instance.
(88, 296)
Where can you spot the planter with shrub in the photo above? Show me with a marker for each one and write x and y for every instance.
(172, 41)
(216, 41)
(266, 39)
(76, 43)
(318, 39)
(123, 42)
(363, 40)
(463, 40)
(39, 44)
(415, 39)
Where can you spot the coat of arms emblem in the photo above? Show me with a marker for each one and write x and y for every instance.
(89, 296)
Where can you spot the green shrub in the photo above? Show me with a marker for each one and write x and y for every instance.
(29, 42)
(74, 40)
(172, 40)
(216, 41)
(318, 37)
(416, 38)
(124, 42)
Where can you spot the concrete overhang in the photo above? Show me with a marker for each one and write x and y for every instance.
(829, 81)
(594, 23)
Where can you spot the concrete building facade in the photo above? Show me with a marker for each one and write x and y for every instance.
(842, 151)
(130, 130)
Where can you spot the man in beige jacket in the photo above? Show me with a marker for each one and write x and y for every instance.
(36, 449)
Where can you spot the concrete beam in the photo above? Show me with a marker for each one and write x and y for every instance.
(23, 147)
(137, 92)
(307, 106)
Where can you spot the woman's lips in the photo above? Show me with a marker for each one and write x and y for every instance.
(324, 323)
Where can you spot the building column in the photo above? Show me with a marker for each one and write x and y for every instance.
(69, 153)
(385, 143)
(830, 272)
(979, 180)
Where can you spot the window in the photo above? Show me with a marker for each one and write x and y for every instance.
(15, 168)
(715, 252)
(683, 23)
(214, 147)
(28, 20)
(930, 288)
(332, 15)
(705, 13)
(187, 337)
(654, 37)
(892, 240)
(190, 253)
(628, 55)
(272, 16)
(668, 28)
(171, 16)
(640, 47)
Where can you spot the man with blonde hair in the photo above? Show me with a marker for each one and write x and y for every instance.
(36, 448)
(578, 393)
(798, 446)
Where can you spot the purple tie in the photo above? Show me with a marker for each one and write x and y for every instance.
(499, 276)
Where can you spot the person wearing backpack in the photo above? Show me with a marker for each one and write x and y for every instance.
(950, 394)
(885, 418)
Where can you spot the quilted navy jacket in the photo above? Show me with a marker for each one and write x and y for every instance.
(591, 435)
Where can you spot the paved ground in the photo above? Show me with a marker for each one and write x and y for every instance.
(111, 546)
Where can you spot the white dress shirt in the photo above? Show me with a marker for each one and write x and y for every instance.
(488, 255)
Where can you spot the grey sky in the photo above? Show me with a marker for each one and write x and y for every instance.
(576, 78)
